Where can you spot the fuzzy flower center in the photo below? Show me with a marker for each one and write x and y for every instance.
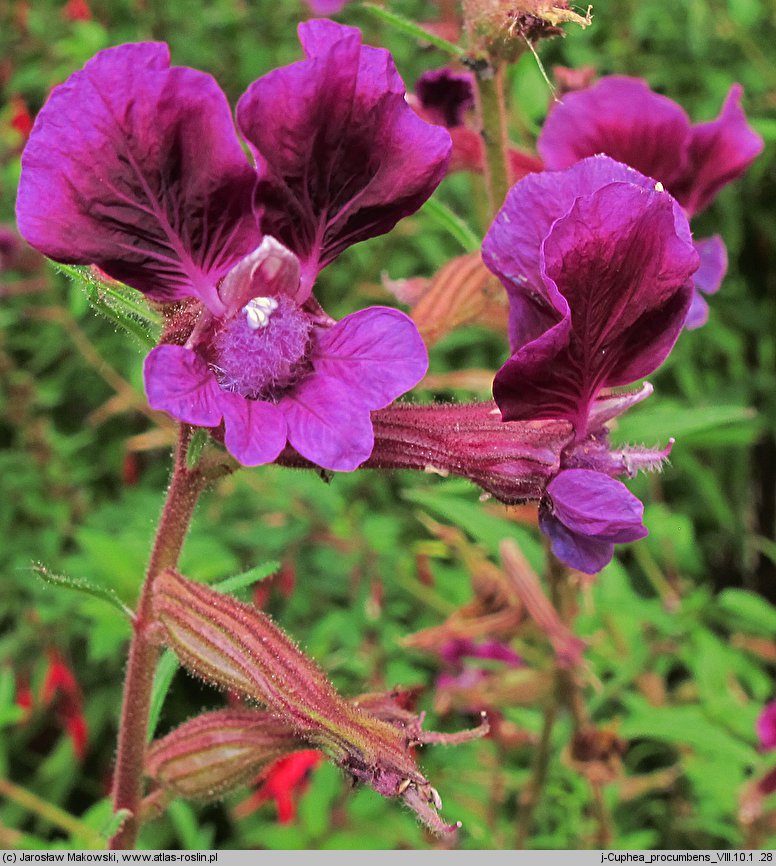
(263, 349)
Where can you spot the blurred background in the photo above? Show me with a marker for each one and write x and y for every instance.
(681, 628)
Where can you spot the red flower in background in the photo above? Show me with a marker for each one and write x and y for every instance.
(61, 688)
(284, 781)
(21, 119)
(77, 10)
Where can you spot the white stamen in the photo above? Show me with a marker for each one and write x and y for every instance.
(258, 312)
(659, 187)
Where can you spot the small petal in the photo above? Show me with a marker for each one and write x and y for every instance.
(270, 270)
(582, 552)
(624, 119)
(376, 354)
(179, 382)
(720, 152)
(595, 505)
(255, 431)
(135, 167)
(341, 155)
(713, 266)
(326, 426)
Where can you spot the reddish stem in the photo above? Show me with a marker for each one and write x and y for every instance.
(182, 495)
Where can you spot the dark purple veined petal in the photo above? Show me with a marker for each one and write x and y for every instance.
(512, 246)
(342, 157)
(622, 118)
(375, 354)
(720, 152)
(326, 426)
(135, 167)
(618, 275)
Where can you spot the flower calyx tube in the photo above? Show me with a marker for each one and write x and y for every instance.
(239, 648)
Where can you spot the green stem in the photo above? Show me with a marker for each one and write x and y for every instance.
(49, 812)
(493, 117)
(185, 488)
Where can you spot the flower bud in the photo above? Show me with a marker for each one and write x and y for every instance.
(215, 752)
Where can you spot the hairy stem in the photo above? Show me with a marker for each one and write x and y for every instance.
(493, 116)
(186, 485)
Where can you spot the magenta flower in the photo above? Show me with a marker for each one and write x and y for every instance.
(445, 96)
(326, 7)
(135, 167)
(622, 118)
(597, 261)
(766, 727)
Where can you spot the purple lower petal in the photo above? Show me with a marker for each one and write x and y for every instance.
(714, 264)
(254, 431)
(698, 314)
(594, 505)
(179, 382)
(375, 354)
(588, 555)
(326, 426)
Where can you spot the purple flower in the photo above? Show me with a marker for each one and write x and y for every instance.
(275, 370)
(623, 118)
(326, 7)
(445, 96)
(766, 727)
(598, 262)
(135, 167)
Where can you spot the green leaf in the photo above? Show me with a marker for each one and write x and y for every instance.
(246, 578)
(116, 304)
(688, 424)
(453, 224)
(410, 28)
(198, 441)
(166, 669)
(748, 611)
(80, 584)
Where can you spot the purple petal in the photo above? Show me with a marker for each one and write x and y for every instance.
(255, 431)
(588, 555)
(766, 726)
(623, 273)
(136, 167)
(595, 505)
(326, 7)
(624, 119)
(513, 243)
(720, 152)
(326, 426)
(445, 95)
(698, 314)
(341, 154)
(179, 382)
(375, 354)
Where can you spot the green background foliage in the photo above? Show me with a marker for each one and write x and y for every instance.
(680, 628)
